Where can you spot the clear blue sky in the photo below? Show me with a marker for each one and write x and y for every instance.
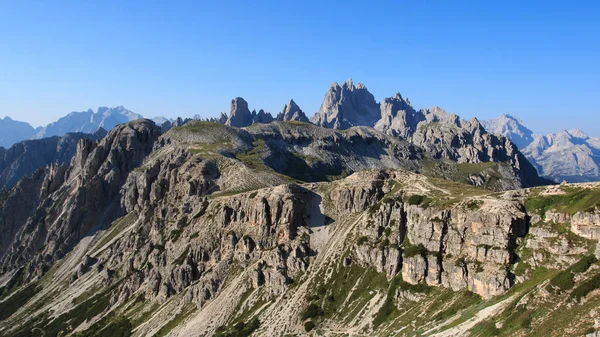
(538, 61)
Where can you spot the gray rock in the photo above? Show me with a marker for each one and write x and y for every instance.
(292, 112)
(346, 106)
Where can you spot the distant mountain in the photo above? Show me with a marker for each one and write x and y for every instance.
(510, 127)
(88, 121)
(12, 131)
(160, 120)
(568, 155)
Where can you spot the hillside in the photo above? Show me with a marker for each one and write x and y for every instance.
(208, 230)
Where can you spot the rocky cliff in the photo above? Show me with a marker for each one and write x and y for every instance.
(240, 115)
(67, 204)
(347, 105)
(24, 158)
(292, 112)
(204, 231)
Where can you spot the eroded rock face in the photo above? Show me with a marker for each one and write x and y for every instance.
(457, 247)
(292, 112)
(240, 116)
(347, 105)
(24, 158)
(398, 117)
(62, 214)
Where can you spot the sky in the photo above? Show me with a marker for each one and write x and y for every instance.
(538, 60)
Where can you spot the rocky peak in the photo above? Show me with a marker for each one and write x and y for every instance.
(240, 116)
(398, 117)
(12, 131)
(86, 199)
(222, 118)
(261, 117)
(292, 112)
(347, 106)
(24, 158)
(511, 127)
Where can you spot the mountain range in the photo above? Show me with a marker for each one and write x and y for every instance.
(563, 156)
(376, 219)
(568, 155)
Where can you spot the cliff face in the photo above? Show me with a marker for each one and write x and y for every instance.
(205, 231)
(346, 106)
(24, 158)
(67, 204)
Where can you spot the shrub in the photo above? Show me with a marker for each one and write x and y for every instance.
(563, 280)
(312, 311)
(362, 240)
(415, 199)
(485, 328)
(384, 243)
(586, 287)
(584, 264)
(415, 250)
(308, 326)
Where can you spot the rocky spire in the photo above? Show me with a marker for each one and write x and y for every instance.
(239, 114)
(398, 117)
(292, 112)
(347, 105)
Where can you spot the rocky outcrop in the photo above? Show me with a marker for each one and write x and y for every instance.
(240, 116)
(83, 203)
(459, 247)
(24, 158)
(346, 106)
(292, 112)
(398, 117)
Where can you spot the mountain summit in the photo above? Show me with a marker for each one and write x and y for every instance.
(88, 121)
(568, 155)
(346, 106)
(510, 127)
(12, 131)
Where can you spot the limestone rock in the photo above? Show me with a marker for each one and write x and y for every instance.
(347, 105)
(292, 112)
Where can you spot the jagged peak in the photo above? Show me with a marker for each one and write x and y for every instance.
(577, 133)
(348, 84)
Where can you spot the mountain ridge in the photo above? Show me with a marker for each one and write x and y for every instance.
(567, 155)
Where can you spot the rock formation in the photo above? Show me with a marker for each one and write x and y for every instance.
(24, 158)
(347, 105)
(240, 116)
(398, 117)
(292, 112)
(208, 226)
